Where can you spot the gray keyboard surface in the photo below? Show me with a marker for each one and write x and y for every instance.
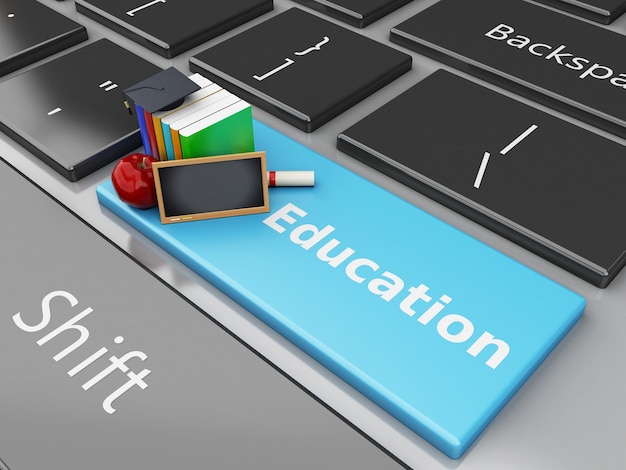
(569, 414)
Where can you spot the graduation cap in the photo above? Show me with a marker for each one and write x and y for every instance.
(160, 92)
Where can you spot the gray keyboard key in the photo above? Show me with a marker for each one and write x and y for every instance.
(106, 367)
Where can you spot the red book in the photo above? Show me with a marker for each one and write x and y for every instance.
(154, 151)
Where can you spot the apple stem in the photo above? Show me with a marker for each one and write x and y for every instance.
(143, 163)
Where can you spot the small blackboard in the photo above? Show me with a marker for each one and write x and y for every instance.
(211, 187)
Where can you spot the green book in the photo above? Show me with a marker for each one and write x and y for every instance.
(224, 132)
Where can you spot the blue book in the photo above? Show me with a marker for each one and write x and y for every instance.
(143, 130)
(433, 326)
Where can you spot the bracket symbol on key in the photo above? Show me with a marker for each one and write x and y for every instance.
(504, 151)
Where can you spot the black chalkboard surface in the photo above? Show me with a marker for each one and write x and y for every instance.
(211, 187)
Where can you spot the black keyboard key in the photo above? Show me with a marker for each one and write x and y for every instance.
(358, 13)
(566, 63)
(602, 11)
(170, 28)
(302, 68)
(69, 112)
(30, 31)
(553, 187)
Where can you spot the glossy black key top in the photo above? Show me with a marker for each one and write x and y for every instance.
(566, 63)
(31, 31)
(602, 11)
(168, 27)
(69, 112)
(302, 68)
(552, 187)
(358, 13)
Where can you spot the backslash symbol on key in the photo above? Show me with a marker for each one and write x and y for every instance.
(486, 156)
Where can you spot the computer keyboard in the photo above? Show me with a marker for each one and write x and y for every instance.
(566, 416)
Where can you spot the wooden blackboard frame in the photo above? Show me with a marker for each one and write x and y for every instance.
(168, 187)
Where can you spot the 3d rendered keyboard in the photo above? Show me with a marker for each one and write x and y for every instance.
(430, 287)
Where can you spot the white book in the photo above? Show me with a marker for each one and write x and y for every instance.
(214, 117)
(209, 106)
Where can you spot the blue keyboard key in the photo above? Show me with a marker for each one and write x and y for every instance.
(432, 325)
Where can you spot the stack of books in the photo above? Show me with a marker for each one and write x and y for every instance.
(210, 121)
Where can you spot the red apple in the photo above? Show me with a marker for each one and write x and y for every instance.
(133, 180)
